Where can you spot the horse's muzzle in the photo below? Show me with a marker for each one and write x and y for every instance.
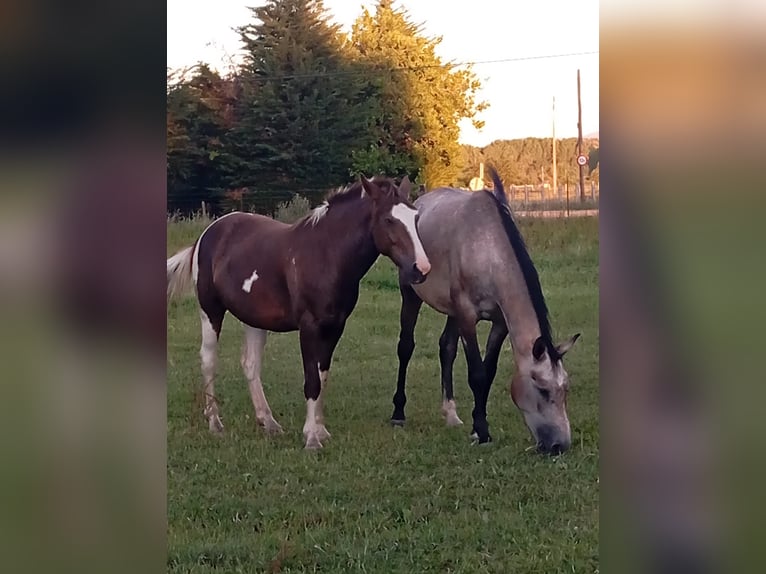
(415, 276)
(549, 443)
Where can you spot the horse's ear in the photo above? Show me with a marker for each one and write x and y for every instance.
(371, 188)
(566, 345)
(405, 188)
(538, 349)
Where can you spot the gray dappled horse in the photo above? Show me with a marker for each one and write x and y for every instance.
(480, 269)
(278, 277)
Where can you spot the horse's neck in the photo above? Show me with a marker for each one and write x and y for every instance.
(520, 316)
(347, 233)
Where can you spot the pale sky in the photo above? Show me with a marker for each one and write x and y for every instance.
(520, 93)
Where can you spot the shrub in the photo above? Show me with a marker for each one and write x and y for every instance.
(291, 211)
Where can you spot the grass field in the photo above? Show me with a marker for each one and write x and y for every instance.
(377, 498)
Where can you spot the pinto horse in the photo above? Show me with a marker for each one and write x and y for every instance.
(482, 271)
(278, 277)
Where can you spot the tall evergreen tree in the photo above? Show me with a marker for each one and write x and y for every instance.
(302, 111)
(422, 100)
(200, 111)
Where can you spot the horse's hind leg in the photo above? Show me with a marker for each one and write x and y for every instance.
(447, 354)
(477, 377)
(252, 361)
(408, 317)
(208, 352)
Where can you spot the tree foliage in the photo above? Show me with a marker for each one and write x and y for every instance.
(304, 110)
(311, 107)
(421, 100)
(200, 111)
(527, 161)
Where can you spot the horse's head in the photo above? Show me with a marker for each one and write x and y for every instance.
(394, 228)
(539, 389)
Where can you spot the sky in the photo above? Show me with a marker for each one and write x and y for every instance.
(520, 92)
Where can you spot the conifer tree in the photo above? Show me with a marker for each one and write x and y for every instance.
(422, 99)
(302, 110)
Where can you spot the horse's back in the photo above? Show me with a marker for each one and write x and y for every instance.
(460, 223)
(238, 261)
(463, 235)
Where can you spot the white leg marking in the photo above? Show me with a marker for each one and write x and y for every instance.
(406, 215)
(450, 413)
(208, 353)
(322, 431)
(252, 361)
(248, 283)
(195, 256)
(311, 428)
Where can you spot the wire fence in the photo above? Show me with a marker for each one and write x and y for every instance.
(525, 200)
(543, 201)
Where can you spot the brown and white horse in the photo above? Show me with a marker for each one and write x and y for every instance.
(278, 277)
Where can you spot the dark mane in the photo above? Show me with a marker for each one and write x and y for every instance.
(354, 190)
(525, 262)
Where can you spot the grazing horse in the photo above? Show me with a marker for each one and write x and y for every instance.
(481, 270)
(278, 277)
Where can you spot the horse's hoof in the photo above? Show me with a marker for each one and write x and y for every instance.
(397, 422)
(476, 439)
(215, 425)
(322, 433)
(272, 427)
(453, 420)
(313, 442)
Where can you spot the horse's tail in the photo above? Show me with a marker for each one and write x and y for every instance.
(180, 272)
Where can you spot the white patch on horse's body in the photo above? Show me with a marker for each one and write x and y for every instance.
(318, 213)
(450, 413)
(195, 256)
(208, 353)
(406, 215)
(247, 284)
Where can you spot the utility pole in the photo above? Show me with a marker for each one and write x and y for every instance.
(555, 189)
(579, 139)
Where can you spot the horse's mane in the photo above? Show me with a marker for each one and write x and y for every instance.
(355, 190)
(528, 269)
(342, 195)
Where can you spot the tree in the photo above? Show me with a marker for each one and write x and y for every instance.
(303, 109)
(199, 115)
(521, 161)
(421, 99)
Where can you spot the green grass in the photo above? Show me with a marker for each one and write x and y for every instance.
(377, 498)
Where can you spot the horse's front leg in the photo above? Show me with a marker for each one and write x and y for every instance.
(328, 340)
(314, 431)
(408, 318)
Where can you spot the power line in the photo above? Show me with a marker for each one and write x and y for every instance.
(415, 68)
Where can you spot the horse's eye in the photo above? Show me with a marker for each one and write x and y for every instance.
(545, 393)
(389, 220)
